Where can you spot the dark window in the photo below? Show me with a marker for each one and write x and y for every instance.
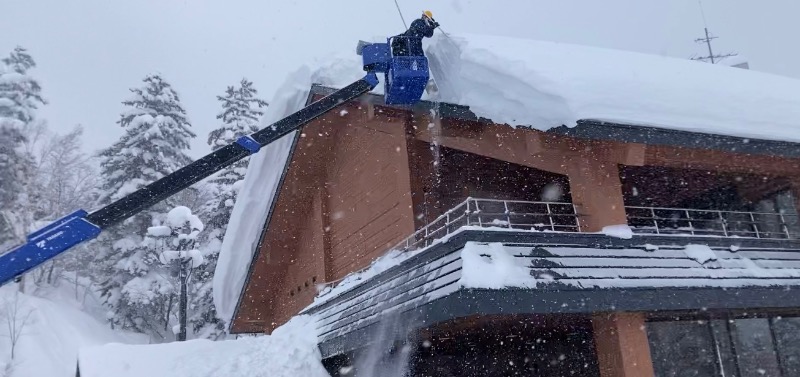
(742, 347)
(682, 349)
(787, 337)
(755, 350)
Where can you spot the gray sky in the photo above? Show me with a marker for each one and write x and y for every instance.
(89, 52)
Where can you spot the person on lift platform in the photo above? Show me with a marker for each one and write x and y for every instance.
(410, 42)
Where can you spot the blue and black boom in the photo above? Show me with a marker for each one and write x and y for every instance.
(405, 81)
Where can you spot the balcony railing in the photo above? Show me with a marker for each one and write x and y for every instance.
(696, 222)
(492, 213)
(563, 217)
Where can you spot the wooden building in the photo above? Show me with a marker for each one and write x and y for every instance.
(705, 285)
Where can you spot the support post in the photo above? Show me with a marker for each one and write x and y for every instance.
(185, 264)
(597, 193)
(622, 346)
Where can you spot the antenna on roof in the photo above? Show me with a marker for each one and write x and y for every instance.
(707, 40)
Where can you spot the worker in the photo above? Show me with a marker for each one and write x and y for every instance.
(410, 42)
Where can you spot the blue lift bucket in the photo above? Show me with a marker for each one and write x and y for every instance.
(406, 76)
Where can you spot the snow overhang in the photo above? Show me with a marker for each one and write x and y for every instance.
(611, 131)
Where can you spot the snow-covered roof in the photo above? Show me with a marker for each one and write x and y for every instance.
(525, 82)
(547, 84)
(290, 351)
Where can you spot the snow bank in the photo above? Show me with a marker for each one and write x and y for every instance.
(492, 267)
(263, 176)
(290, 351)
(546, 85)
(56, 328)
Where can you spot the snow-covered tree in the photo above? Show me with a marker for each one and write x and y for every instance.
(20, 97)
(20, 94)
(15, 167)
(183, 257)
(157, 136)
(156, 275)
(241, 112)
(155, 142)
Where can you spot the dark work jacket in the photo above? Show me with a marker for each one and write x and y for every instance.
(420, 29)
(410, 42)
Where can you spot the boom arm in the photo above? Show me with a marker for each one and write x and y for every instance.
(79, 226)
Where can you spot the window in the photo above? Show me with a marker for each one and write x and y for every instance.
(755, 350)
(742, 347)
(682, 349)
(787, 338)
(785, 222)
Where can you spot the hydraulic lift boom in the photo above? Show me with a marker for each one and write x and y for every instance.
(81, 226)
(405, 81)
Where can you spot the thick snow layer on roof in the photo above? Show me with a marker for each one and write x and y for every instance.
(264, 172)
(290, 351)
(546, 85)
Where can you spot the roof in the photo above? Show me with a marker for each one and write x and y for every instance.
(546, 85)
(512, 272)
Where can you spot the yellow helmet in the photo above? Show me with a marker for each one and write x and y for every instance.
(428, 14)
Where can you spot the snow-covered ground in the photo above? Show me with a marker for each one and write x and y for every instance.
(291, 350)
(51, 331)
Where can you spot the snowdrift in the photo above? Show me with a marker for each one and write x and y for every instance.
(290, 351)
(55, 330)
(546, 84)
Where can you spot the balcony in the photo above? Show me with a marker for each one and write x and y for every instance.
(680, 260)
(564, 217)
(492, 213)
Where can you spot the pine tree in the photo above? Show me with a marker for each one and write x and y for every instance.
(156, 138)
(241, 112)
(157, 135)
(20, 94)
(20, 97)
(14, 170)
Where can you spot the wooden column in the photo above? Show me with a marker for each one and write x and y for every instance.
(597, 193)
(794, 186)
(622, 347)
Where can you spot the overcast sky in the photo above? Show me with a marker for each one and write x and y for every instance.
(89, 52)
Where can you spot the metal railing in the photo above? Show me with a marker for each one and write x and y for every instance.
(493, 213)
(563, 217)
(697, 222)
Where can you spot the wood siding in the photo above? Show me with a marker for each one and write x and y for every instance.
(368, 187)
(359, 180)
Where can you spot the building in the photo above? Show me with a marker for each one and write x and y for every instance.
(657, 238)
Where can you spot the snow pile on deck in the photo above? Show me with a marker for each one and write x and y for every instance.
(263, 176)
(383, 263)
(492, 267)
(546, 85)
(290, 351)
